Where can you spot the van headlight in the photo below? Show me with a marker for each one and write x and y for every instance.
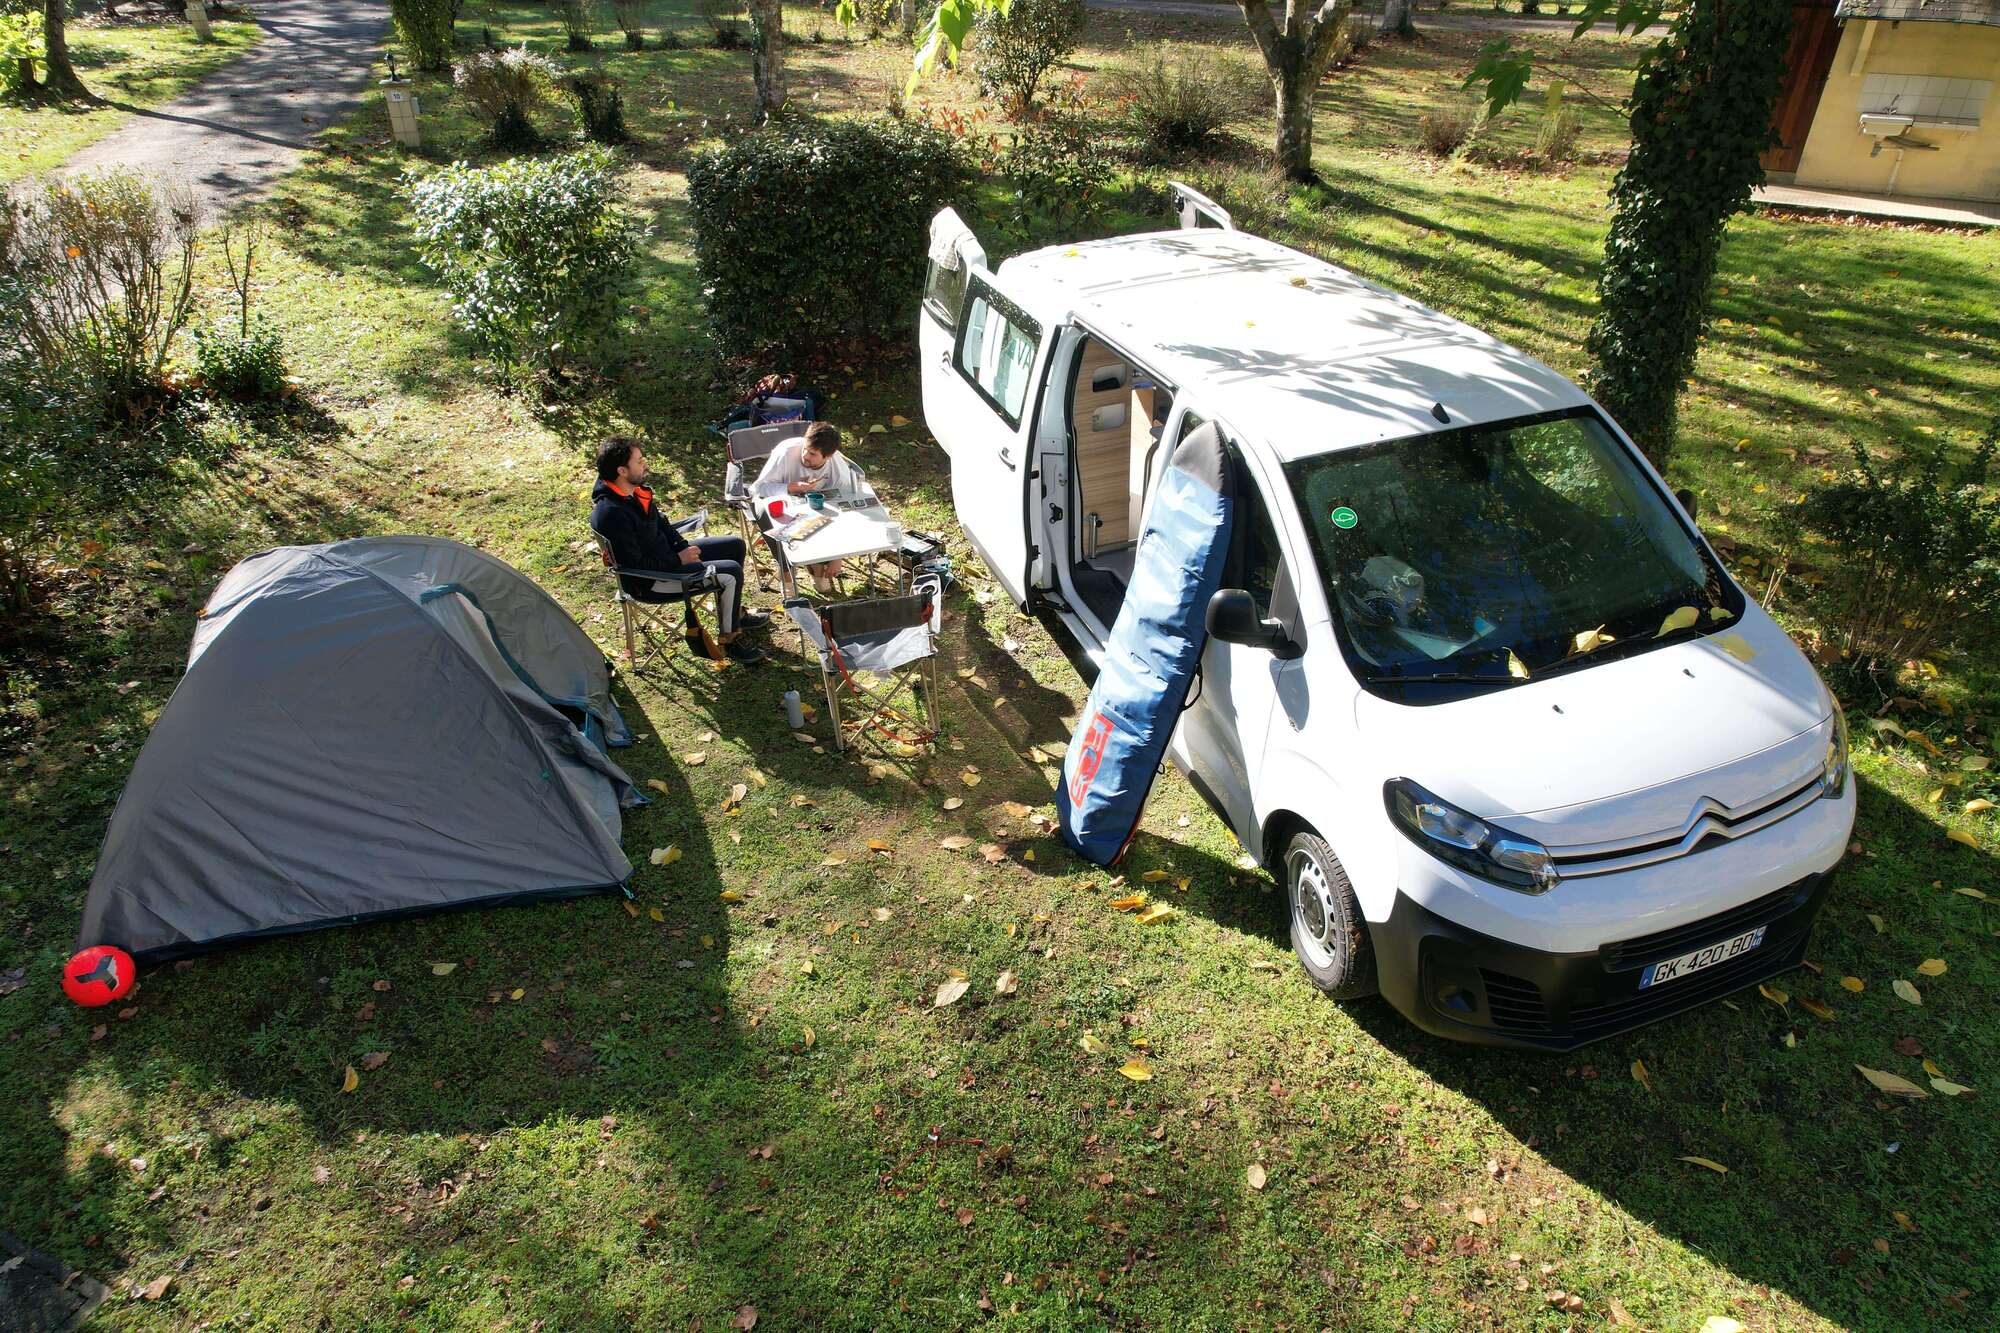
(1467, 841)
(1833, 779)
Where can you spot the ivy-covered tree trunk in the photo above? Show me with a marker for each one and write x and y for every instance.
(1701, 114)
(767, 56)
(1295, 56)
(59, 77)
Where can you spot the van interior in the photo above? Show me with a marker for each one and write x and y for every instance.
(1117, 411)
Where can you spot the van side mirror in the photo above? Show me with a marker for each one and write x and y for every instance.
(1686, 497)
(1232, 618)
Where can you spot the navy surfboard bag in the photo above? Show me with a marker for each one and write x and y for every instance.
(1155, 649)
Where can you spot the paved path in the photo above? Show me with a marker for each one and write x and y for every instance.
(1477, 19)
(1901, 207)
(245, 125)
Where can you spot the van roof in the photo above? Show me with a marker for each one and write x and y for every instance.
(1301, 354)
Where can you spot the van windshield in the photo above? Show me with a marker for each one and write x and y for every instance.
(1481, 557)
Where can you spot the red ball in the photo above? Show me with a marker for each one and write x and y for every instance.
(99, 975)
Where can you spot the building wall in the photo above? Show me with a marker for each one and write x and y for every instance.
(1967, 163)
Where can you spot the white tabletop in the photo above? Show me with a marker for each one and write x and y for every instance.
(868, 529)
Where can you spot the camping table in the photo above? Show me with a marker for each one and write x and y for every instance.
(861, 526)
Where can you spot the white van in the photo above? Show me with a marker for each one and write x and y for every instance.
(1523, 755)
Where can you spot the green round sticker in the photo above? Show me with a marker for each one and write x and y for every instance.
(1344, 517)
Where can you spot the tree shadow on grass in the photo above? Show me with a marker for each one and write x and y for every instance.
(1819, 1164)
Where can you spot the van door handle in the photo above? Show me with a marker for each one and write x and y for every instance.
(1007, 457)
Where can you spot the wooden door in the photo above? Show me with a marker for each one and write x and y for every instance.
(1808, 57)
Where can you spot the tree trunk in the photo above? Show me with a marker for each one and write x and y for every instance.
(1296, 53)
(25, 73)
(908, 16)
(1294, 88)
(1397, 18)
(59, 78)
(1700, 110)
(767, 56)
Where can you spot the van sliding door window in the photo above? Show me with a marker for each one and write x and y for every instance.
(944, 293)
(996, 350)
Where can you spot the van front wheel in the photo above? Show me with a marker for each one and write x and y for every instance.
(1328, 932)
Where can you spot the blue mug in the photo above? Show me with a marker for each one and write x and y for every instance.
(816, 499)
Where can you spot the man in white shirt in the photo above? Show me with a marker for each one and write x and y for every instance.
(811, 464)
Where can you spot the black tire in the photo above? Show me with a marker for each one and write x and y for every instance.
(1329, 934)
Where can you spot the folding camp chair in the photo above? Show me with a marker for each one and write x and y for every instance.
(883, 655)
(749, 446)
(644, 611)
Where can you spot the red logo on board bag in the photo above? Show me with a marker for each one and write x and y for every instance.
(1088, 760)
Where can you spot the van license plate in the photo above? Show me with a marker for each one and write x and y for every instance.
(1700, 958)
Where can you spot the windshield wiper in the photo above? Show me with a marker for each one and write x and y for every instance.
(1444, 677)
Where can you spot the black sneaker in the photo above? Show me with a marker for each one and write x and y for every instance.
(745, 654)
(747, 619)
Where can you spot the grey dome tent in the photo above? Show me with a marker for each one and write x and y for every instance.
(368, 728)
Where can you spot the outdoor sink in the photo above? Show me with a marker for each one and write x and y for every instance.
(1885, 124)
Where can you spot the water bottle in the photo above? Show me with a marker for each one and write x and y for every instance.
(794, 713)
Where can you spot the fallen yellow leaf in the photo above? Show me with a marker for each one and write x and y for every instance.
(877, 845)
(1157, 912)
(1905, 991)
(832, 859)
(1720, 1323)
(882, 913)
(1716, 1167)
(957, 842)
(1515, 666)
(443, 969)
(806, 968)
(1256, 1175)
(1153, 876)
(659, 786)
(730, 896)
(954, 802)
(1131, 902)
(1881, 926)
(1774, 995)
(1855, 984)
(1960, 835)
(1931, 1068)
(631, 909)
(1737, 647)
(809, 1038)
(1092, 1044)
(1815, 1008)
(1678, 619)
(1006, 983)
(1948, 1088)
(350, 1081)
(1931, 967)
(1894, 1084)
(1136, 1069)
(1639, 1073)
(656, 914)
(951, 992)
(1015, 809)
(1979, 806)
(1590, 640)
(696, 759)
(671, 855)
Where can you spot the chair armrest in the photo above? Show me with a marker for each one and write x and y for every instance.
(693, 523)
(685, 574)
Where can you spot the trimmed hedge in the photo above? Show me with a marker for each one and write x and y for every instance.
(809, 231)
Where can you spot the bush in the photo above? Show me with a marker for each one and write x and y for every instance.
(1017, 48)
(602, 108)
(1177, 98)
(425, 29)
(1059, 166)
(103, 268)
(809, 230)
(42, 439)
(1556, 140)
(721, 17)
(239, 364)
(20, 50)
(631, 17)
(503, 88)
(534, 253)
(1449, 128)
(575, 16)
(1917, 554)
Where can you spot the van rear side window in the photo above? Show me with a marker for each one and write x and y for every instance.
(996, 351)
(944, 292)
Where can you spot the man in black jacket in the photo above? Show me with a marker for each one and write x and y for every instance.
(641, 537)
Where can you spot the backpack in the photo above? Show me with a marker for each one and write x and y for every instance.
(776, 397)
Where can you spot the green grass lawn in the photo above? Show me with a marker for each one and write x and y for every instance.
(130, 66)
(602, 1119)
